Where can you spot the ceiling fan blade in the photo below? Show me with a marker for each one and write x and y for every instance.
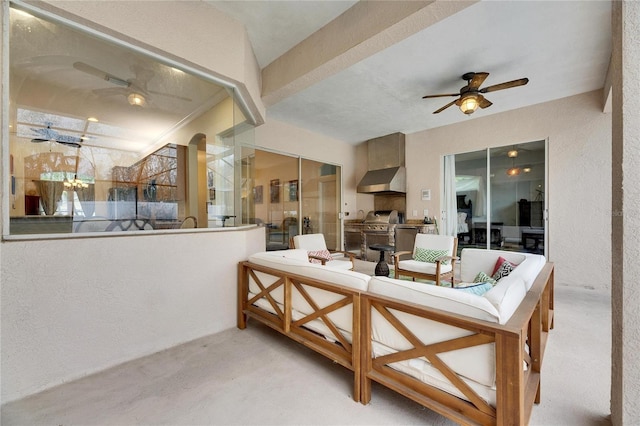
(39, 140)
(111, 91)
(484, 102)
(88, 69)
(440, 96)
(71, 144)
(68, 139)
(446, 106)
(507, 85)
(477, 79)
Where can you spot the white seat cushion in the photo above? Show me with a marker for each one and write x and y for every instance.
(423, 267)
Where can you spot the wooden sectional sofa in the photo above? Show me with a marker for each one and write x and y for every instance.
(474, 359)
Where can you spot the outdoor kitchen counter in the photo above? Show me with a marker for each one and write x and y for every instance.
(358, 237)
(423, 228)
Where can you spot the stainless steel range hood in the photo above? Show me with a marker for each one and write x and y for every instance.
(386, 166)
(392, 179)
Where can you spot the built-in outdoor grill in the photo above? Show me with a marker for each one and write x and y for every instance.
(379, 228)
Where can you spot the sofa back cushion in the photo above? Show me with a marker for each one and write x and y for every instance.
(290, 262)
(443, 298)
(530, 268)
(473, 261)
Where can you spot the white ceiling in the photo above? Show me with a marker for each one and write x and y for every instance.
(562, 47)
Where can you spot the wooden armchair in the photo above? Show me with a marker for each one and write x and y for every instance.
(434, 258)
(317, 249)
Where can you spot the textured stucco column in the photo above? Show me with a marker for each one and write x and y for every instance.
(625, 238)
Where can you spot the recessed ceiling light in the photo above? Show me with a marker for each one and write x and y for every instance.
(92, 119)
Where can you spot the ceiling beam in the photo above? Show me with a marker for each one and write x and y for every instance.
(362, 31)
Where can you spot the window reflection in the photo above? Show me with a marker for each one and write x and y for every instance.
(510, 215)
(105, 134)
(290, 195)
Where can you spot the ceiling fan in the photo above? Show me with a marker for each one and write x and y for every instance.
(134, 89)
(51, 135)
(471, 95)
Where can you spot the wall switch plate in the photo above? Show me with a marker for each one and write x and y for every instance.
(426, 212)
(415, 213)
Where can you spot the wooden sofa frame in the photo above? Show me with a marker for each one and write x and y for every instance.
(342, 351)
(521, 340)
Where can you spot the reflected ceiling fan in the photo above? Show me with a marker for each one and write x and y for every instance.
(134, 89)
(471, 95)
(50, 135)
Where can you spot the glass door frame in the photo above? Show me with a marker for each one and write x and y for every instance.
(489, 194)
(243, 149)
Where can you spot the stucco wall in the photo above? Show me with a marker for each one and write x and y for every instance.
(72, 307)
(625, 358)
(579, 198)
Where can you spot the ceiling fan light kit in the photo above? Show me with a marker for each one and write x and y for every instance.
(513, 171)
(470, 96)
(136, 99)
(469, 104)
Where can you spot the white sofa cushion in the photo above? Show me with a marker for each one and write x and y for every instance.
(447, 299)
(292, 264)
(476, 363)
(507, 295)
(473, 261)
(530, 268)
(343, 264)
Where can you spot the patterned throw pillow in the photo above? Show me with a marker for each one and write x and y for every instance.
(484, 278)
(323, 254)
(498, 264)
(503, 271)
(430, 256)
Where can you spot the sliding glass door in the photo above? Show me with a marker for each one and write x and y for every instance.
(321, 201)
(501, 198)
(290, 195)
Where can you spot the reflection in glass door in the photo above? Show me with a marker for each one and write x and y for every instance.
(321, 201)
(277, 190)
(509, 213)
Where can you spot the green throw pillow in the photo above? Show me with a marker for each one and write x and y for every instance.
(484, 278)
(430, 256)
